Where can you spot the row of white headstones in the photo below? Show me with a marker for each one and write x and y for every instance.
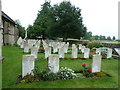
(53, 59)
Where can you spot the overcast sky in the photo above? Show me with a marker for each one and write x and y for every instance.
(99, 16)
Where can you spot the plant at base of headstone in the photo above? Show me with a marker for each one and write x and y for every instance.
(45, 75)
(66, 74)
(104, 55)
(87, 71)
(41, 50)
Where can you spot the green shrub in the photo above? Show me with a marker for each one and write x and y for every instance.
(104, 55)
(87, 72)
(90, 56)
(94, 44)
(46, 75)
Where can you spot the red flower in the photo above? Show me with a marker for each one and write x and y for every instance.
(105, 54)
(84, 64)
(41, 48)
(90, 63)
(89, 70)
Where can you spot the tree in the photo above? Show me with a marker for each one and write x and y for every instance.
(102, 37)
(20, 28)
(41, 23)
(113, 38)
(108, 38)
(68, 22)
(88, 35)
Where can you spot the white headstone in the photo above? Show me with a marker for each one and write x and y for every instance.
(109, 53)
(26, 47)
(96, 65)
(61, 52)
(19, 41)
(47, 52)
(55, 48)
(27, 64)
(80, 46)
(22, 44)
(34, 52)
(82, 49)
(66, 48)
(74, 52)
(86, 52)
(98, 51)
(53, 63)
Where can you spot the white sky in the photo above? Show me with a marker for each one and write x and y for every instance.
(99, 16)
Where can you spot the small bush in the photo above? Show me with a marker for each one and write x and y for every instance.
(87, 72)
(104, 55)
(94, 44)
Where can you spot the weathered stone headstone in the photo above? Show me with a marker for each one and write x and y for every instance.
(80, 46)
(86, 52)
(66, 48)
(26, 47)
(96, 65)
(53, 63)
(22, 44)
(19, 41)
(61, 52)
(109, 53)
(98, 51)
(34, 52)
(74, 52)
(82, 49)
(27, 64)
(55, 48)
(47, 52)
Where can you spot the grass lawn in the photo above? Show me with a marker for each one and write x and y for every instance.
(12, 67)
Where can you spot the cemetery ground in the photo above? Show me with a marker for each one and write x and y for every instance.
(12, 67)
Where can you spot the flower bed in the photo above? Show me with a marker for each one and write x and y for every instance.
(87, 72)
(47, 75)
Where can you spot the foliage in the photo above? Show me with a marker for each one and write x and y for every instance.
(113, 38)
(42, 22)
(20, 28)
(87, 72)
(88, 35)
(29, 78)
(41, 50)
(66, 74)
(59, 21)
(104, 55)
(47, 75)
(97, 37)
(94, 44)
(68, 22)
(109, 38)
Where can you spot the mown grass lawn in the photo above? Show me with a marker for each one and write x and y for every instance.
(12, 67)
